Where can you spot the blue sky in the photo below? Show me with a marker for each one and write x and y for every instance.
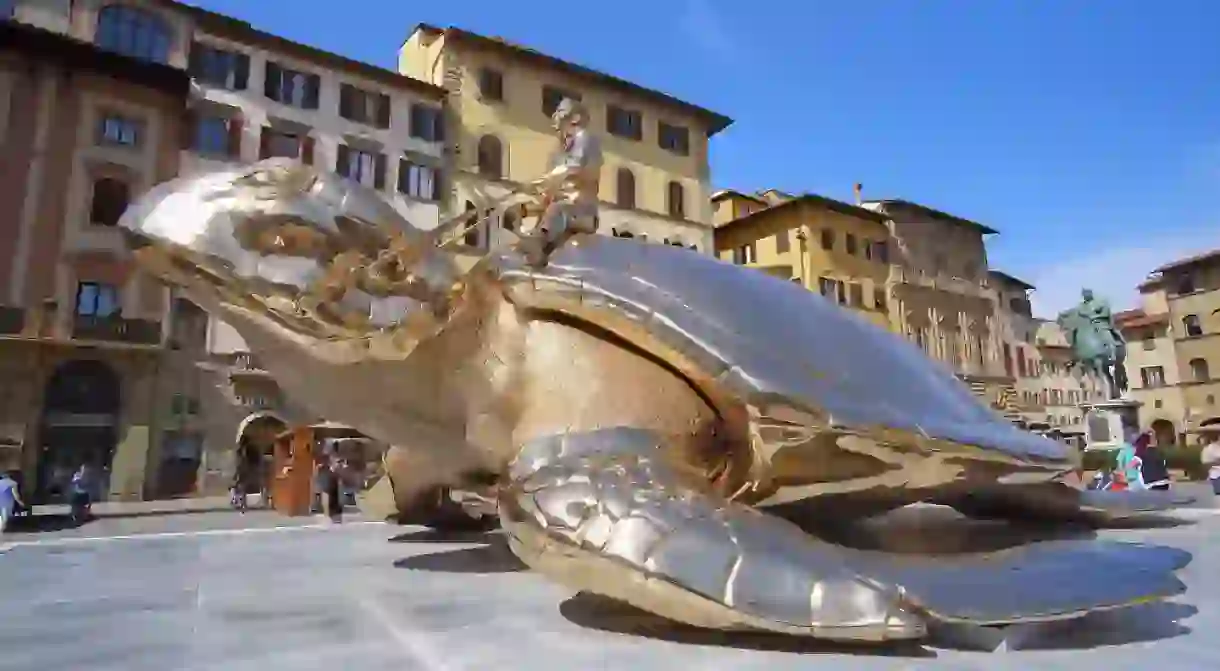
(1088, 133)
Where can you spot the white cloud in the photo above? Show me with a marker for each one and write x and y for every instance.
(703, 25)
(1112, 273)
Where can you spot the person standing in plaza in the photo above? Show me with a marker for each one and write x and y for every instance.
(82, 493)
(10, 498)
(1210, 456)
(1153, 468)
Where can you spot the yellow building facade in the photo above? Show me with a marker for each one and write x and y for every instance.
(828, 246)
(655, 182)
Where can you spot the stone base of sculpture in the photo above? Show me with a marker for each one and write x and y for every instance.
(1110, 424)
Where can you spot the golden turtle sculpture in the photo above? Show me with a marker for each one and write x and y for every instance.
(664, 428)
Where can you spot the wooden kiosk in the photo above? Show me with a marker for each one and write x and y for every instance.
(293, 465)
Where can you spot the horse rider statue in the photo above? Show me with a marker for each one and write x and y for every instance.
(1097, 346)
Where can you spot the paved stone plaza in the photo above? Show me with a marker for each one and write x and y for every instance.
(224, 591)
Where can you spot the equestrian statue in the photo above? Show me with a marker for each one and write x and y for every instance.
(1098, 348)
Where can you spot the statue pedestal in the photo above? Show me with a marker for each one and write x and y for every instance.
(1110, 424)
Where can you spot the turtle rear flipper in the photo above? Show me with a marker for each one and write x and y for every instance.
(1056, 502)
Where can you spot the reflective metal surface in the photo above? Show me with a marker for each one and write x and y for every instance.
(645, 407)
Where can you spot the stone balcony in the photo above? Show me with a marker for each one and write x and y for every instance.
(117, 329)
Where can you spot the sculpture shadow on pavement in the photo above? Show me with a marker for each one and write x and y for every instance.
(490, 556)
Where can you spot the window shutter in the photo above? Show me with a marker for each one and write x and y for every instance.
(190, 121)
(264, 143)
(379, 167)
(307, 150)
(241, 72)
(235, 134)
(195, 60)
(342, 161)
(312, 85)
(404, 175)
(383, 111)
(345, 101)
(438, 125)
(416, 121)
(272, 82)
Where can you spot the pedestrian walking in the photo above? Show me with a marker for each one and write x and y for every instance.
(1210, 456)
(1154, 470)
(82, 493)
(10, 498)
(328, 474)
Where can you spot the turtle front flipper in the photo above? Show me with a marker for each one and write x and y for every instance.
(604, 512)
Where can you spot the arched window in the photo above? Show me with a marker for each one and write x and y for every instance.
(1199, 370)
(110, 197)
(625, 188)
(676, 200)
(491, 157)
(134, 32)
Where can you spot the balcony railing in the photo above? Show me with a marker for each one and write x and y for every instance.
(116, 329)
(12, 320)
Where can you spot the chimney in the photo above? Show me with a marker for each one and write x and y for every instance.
(858, 188)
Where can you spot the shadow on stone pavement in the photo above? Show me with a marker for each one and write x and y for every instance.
(41, 523)
(436, 536)
(593, 611)
(494, 557)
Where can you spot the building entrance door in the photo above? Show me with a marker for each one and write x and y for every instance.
(79, 425)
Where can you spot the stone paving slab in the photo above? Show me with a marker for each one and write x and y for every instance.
(219, 596)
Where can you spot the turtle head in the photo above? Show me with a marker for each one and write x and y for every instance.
(279, 246)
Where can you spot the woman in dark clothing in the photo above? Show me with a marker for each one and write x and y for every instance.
(1153, 468)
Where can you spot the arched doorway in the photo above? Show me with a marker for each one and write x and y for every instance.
(79, 424)
(255, 442)
(1164, 433)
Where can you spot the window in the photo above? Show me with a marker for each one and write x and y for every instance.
(418, 181)
(781, 242)
(855, 294)
(745, 254)
(286, 144)
(1192, 325)
(841, 292)
(95, 299)
(826, 287)
(675, 139)
(881, 252)
(849, 243)
(491, 85)
(1184, 283)
(491, 157)
(676, 200)
(110, 198)
(360, 165)
(828, 239)
(217, 136)
(181, 404)
(289, 87)
(879, 298)
(1152, 376)
(624, 123)
(133, 32)
(552, 96)
(219, 67)
(366, 107)
(1199, 370)
(970, 270)
(119, 131)
(427, 123)
(1149, 343)
(625, 188)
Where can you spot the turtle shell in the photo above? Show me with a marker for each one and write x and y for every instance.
(754, 341)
